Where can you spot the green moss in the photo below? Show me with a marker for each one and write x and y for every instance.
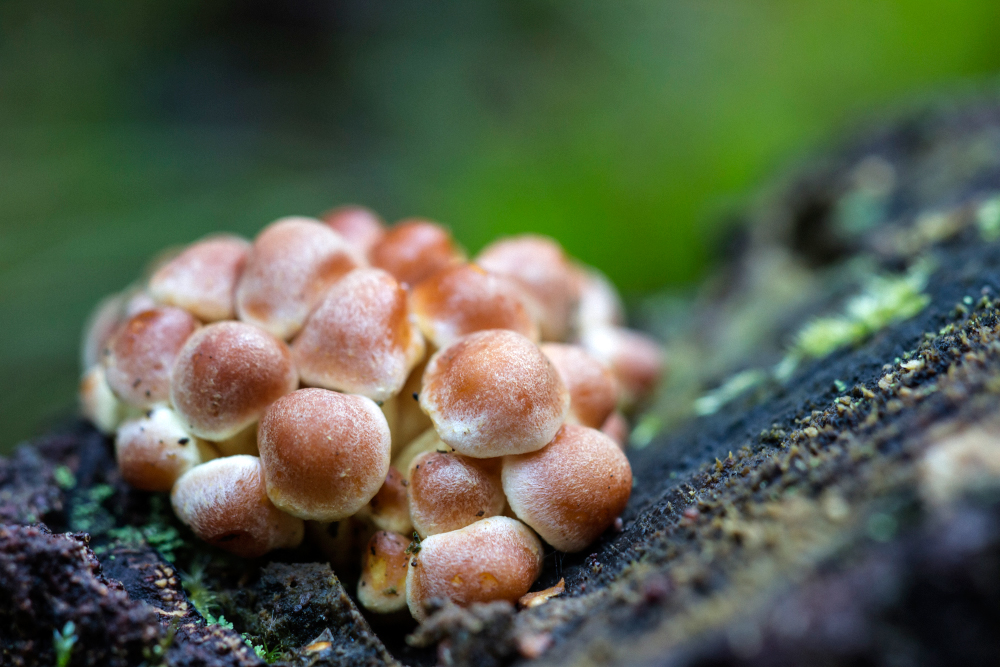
(87, 513)
(64, 477)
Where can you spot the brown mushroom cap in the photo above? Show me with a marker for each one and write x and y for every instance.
(572, 490)
(494, 559)
(291, 264)
(494, 393)
(428, 441)
(102, 323)
(635, 359)
(202, 279)
(140, 355)
(360, 226)
(412, 250)
(600, 304)
(449, 491)
(463, 298)
(539, 265)
(389, 509)
(616, 427)
(593, 393)
(226, 376)
(225, 504)
(384, 561)
(155, 450)
(326, 454)
(360, 339)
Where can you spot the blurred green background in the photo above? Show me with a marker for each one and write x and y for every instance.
(621, 128)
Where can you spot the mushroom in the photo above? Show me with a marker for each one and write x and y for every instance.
(494, 559)
(202, 279)
(635, 359)
(291, 264)
(325, 454)
(389, 509)
(361, 227)
(410, 421)
(382, 587)
(593, 393)
(101, 325)
(616, 427)
(412, 250)
(572, 490)
(494, 393)
(428, 441)
(600, 304)
(539, 265)
(360, 339)
(463, 298)
(225, 377)
(224, 503)
(449, 491)
(98, 403)
(155, 450)
(140, 355)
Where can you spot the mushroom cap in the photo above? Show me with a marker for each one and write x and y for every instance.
(225, 504)
(428, 441)
(360, 226)
(384, 561)
(102, 323)
(412, 250)
(389, 509)
(226, 376)
(539, 265)
(360, 339)
(202, 279)
(155, 450)
(463, 298)
(98, 403)
(494, 393)
(572, 490)
(142, 352)
(449, 491)
(326, 454)
(600, 304)
(494, 559)
(593, 392)
(616, 427)
(634, 358)
(290, 266)
(410, 421)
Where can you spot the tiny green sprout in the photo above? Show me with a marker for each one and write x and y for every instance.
(647, 429)
(270, 656)
(988, 218)
(839, 386)
(64, 477)
(62, 643)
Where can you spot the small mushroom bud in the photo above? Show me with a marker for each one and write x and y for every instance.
(494, 393)
(142, 352)
(428, 441)
(359, 226)
(593, 393)
(616, 427)
(291, 264)
(360, 339)
(412, 250)
(635, 359)
(326, 454)
(155, 450)
(449, 491)
(493, 559)
(225, 377)
(225, 504)
(410, 421)
(463, 298)
(382, 587)
(102, 323)
(98, 403)
(390, 508)
(202, 279)
(543, 271)
(600, 304)
(572, 490)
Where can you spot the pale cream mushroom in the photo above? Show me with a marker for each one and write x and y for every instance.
(449, 491)
(412, 250)
(593, 392)
(202, 279)
(600, 304)
(153, 451)
(360, 226)
(224, 502)
(98, 403)
(428, 441)
(384, 562)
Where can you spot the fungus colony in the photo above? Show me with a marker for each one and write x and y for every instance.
(372, 389)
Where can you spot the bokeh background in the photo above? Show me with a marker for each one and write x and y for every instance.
(625, 129)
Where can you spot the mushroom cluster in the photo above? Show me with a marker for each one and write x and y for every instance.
(371, 388)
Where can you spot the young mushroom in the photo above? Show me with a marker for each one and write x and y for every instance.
(600, 304)
(98, 403)
(325, 454)
(360, 338)
(358, 225)
(463, 298)
(572, 490)
(202, 279)
(540, 267)
(155, 450)
(384, 562)
(593, 393)
(141, 354)
(389, 509)
(412, 250)
(224, 503)
(225, 377)
(291, 264)
(616, 427)
(494, 393)
(449, 491)
(428, 441)
(494, 559)
(634, 358)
